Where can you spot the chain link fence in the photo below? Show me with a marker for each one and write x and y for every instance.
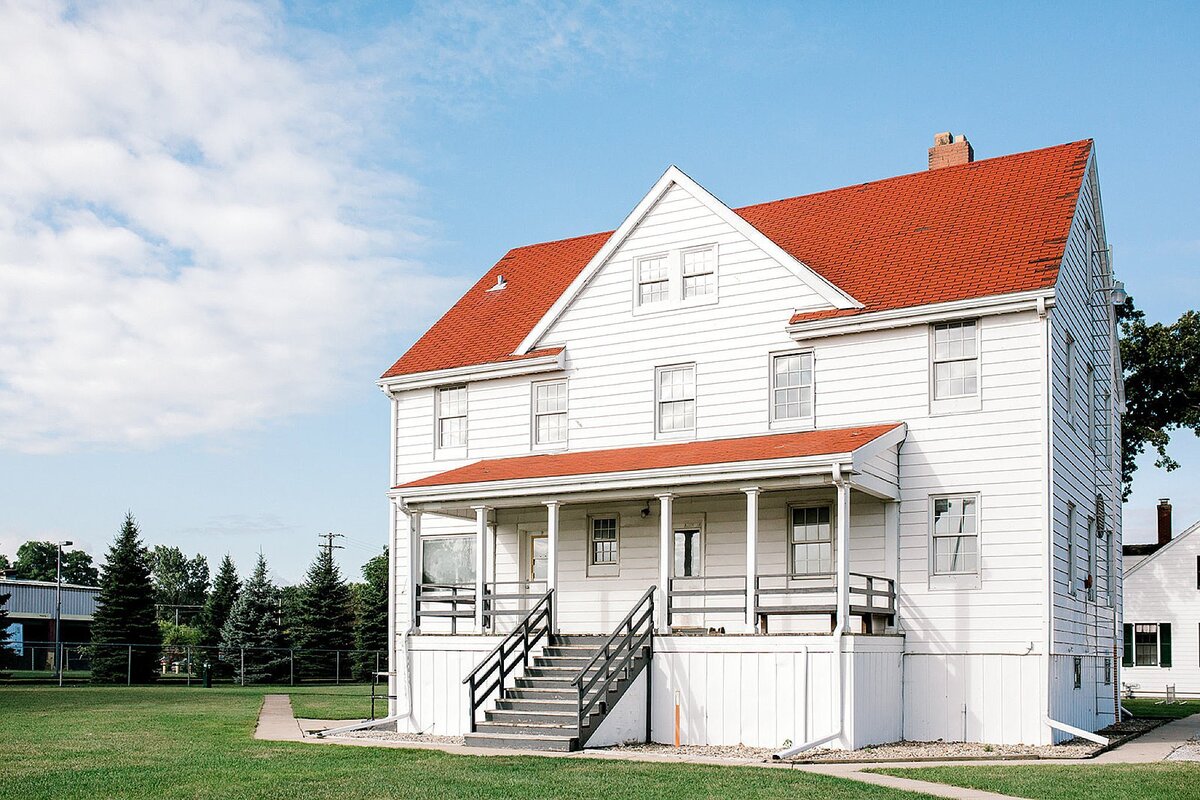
(186, 665)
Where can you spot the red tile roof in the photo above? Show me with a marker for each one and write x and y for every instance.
(659, 456)
(992, 227)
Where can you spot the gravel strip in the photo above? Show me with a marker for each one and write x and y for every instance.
(393, 736)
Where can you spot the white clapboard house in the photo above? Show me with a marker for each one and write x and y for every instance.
(1162, 612)
(831, 470)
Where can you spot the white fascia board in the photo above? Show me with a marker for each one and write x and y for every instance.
(922, 315)
(676, 177)
(866, 452)
(551, 362)
(632, 479)
(1129, 572)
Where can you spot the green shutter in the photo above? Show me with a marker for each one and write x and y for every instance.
(1127, 660)
(1164, 644)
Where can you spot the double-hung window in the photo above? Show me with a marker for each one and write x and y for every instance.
(451, 417)
(549, 413)
(956, 359)
(954, 538)
(810, 540)
(604, 548)
(699, 272)
(1147, 644)
(1091, 559)
(792, 387)
(675, 403)
(653, 281)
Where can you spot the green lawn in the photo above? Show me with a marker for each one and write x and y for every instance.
(1177, 781)
(172, 742)
(1150, 708)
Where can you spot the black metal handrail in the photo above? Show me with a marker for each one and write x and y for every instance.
(623, 645)
(528, 632)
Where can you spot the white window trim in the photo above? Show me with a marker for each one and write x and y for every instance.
(799, 422)
(690, 433)
(1091, 410)
(966, 403)
(429, 538)
(457, 451)
(1157, 646)
(603, 570)
(1072, 555)
(675, 300)
(792, 574)
(533, 416)
(1072, 417)
(1093, 590)
(689, 523)
(962, 580)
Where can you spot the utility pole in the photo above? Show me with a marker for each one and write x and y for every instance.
(329, 546)
(58, 611)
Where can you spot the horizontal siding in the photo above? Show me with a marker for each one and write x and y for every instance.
(1164, 590)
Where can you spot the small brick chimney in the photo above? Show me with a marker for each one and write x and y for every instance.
(949, 151)
(1164, 521)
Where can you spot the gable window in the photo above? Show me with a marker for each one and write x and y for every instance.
(1147, 644)
(676, 399)
(699, 272)
(652, 278)
(810, 540)
(792, 387)
(452, 417)
(604, 549)
(689, 549)
(954, 536)
(549, 413)
(955, 359)
(1071, 555)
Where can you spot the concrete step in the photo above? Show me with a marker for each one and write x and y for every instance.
(541, 716)
(511, 741)
(527, 728)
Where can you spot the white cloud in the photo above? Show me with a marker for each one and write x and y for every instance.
(190, 242)
(181, 244)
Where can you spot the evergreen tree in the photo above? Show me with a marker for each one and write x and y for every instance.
(371, 615)
(224, 594)
(125, 613)
(253, 629)
(324, 619)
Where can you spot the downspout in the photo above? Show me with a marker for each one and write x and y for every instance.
(842, 623)
(1048, 384)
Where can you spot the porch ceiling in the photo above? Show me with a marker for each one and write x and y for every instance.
(706, 467)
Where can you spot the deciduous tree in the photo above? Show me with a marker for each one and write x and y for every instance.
(1162, 385)
(37, 561)
(180, 583)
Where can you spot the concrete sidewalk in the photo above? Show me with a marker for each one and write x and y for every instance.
(277, 723)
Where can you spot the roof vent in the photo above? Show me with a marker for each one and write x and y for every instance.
(500, 284)
(949, 150)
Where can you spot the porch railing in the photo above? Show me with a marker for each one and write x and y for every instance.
(872, 598)
(631, 634)
(489, 675)
(455, 601)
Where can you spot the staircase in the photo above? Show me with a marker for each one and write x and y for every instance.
(566, 690)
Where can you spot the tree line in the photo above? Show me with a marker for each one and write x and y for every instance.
(158, 598)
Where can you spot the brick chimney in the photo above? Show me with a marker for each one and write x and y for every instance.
(1164, 521)
(949, 151)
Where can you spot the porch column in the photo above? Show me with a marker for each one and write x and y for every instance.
(666, 537)
(552, 507)
(481, 540)
(891, 547)
(413, 578)
(410, 581)
(751, 554)
(843, 552)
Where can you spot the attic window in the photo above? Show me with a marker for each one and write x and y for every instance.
(669, 280)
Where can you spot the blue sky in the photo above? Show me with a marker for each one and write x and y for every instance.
(219, 226)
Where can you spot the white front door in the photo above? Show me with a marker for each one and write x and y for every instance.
(537, 558)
